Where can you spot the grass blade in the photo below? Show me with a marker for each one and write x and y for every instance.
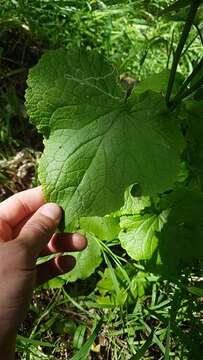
(85, 349)
(167, 348)
(28, 341)
(196, 291)
(144, 348)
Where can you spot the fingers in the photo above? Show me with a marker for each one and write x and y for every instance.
(64, 243)
(54, 267)
(5, 231)
(38, 230)
(21, 205)
(19, 226)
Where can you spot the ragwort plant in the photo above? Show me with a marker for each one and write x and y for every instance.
(126, 165)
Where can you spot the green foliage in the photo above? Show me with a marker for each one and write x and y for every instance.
(127, 32)
(127, 291)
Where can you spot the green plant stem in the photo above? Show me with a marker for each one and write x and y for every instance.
(192, 88)
(170, 49)
(189, 21)
(190, 43)
(181, 93)
(199, 33)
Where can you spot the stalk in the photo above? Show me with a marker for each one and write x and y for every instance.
(192, 88)
(199, 33)
(188, 24)
(184, 90)
(170, 49)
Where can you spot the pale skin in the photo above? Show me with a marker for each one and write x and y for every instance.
(27, 231)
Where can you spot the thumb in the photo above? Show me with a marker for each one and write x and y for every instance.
(38, 230)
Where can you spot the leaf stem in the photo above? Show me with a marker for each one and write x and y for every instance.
(188, 24)
(190, 43)
(170, 49)
(184, 90)
(199, 33)
(192, 88)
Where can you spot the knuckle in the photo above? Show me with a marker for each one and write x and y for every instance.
(43, 226)
(5, 230)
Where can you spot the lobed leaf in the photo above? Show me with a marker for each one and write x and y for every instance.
(96, 143)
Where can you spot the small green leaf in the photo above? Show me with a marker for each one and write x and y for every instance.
(138, 235)
(158, 83)
(133, 204)
(55, 283)
(86, 261)
(138, 285)
(105, 285)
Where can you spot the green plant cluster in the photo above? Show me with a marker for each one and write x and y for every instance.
(123, 157)
(125, 166)
(98, 142)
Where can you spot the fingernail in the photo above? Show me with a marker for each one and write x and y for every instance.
(53, 211)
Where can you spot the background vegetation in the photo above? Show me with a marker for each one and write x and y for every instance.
(138, 314)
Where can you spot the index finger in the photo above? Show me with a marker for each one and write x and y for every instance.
(21, 205)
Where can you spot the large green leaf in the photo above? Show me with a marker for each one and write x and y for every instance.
(96, 143)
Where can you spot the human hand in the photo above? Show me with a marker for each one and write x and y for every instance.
(27, 227)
